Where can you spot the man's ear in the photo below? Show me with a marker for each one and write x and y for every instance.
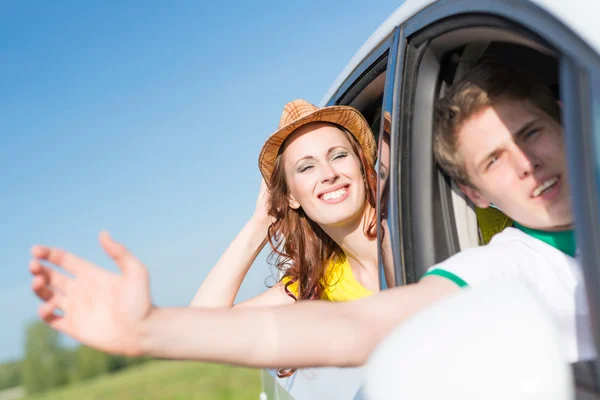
(293, 203)
(474, 195)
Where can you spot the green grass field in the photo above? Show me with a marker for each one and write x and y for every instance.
(174, 380)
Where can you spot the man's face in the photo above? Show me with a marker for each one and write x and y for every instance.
(515, 160)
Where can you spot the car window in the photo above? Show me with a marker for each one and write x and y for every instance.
(380, 125)
(596, 127)
(386, 259)
(370, 101)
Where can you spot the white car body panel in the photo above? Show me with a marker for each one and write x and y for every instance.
(581, 16)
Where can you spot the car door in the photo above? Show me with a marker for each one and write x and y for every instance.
(443, 41)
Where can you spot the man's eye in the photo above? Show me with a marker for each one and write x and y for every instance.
(490, 163)
(531, 134)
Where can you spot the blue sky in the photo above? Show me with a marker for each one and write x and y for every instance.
(145, 119)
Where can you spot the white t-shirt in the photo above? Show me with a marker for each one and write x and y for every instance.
(553, 276)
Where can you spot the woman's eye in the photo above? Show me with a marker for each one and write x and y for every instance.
(304, 168)
(340, 155)
(383, 173)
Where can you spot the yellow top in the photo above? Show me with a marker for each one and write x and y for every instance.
(491, 221)
(340, 284)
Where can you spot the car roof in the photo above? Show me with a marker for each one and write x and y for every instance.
(579, 15)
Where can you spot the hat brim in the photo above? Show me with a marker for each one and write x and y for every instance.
(347, 117)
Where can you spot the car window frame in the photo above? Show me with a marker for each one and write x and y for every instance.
(391, 105)
(344, 95)
(579, 90)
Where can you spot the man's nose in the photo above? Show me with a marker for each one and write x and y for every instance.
(525, 162)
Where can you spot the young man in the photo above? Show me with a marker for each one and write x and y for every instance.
(497, 133)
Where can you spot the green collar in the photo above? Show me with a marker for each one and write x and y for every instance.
(563, 240)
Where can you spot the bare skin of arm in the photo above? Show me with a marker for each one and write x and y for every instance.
(113, 313)
(223, 282)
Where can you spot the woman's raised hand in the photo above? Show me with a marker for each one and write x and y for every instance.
(261, 213)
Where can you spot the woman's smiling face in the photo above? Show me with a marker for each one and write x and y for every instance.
(324, 175)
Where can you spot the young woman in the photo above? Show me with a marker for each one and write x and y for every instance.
(318, 213)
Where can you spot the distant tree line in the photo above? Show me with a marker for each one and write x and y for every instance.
(10, 375)
(47, 364)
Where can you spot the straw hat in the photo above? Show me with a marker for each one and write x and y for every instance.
(298, 113)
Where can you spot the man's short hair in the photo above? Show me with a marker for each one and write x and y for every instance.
(483, 86)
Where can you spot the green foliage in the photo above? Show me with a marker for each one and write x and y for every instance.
(120, 362)
(157, 380)
(90, 374)
(45, 363)
(10, 375)
(86, 363)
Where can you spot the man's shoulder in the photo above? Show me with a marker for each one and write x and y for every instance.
(508, 249)
(519, 241)
(509, 235)
(509, 241)
(511, 254)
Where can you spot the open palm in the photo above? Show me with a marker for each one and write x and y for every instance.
(99, 308)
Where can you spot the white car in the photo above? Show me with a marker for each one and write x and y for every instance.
(401, 69)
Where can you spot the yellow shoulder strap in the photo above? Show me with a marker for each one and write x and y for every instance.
(293, 288)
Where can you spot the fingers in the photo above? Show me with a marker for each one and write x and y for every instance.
(67, 261)
(263, 186)
(59, 323)
(53, 302)
(265, 192)
(128, 264)
(47, 309)
(40, 288)
(47, 313)
(49, 295)
(48, 276)
(48, 285)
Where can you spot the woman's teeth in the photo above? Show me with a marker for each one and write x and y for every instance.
(545, 186)
(334, 195)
